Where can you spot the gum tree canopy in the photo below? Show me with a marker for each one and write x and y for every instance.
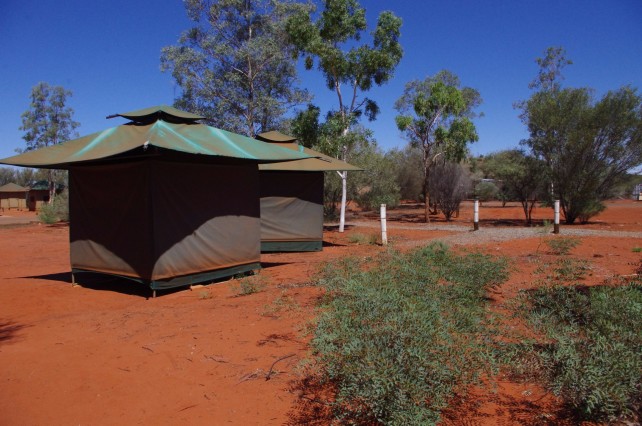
(349, 68)
(435, 115)
(235, 66)
(48, 121)
(588, 146)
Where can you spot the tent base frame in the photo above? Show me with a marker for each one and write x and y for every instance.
(181, 281)
(291, 246)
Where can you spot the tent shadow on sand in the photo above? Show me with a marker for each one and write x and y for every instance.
(103, 282)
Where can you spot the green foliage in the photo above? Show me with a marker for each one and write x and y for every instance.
(588, 146)
(399, 334)
(593, 357)
(236, 66)
(377, 184)
(522, 177)
(550, 69)
(333, 42)
(486, 191)
(636, 249)
(589, 208)
(434, 114)
(305, 126)
(408, 170)
(564, 270)
(562, 245)
(56, 211)
(48, 121)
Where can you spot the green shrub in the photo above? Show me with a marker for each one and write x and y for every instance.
(589, 209)
(56, 211)
(562, 245)
(567, 270)
(593, 354)
(486, 191)
(399, 334)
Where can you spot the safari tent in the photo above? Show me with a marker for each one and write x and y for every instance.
(162, 199)
(13, 196)
(292, 197)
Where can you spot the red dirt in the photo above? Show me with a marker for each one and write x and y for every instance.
(102, 353)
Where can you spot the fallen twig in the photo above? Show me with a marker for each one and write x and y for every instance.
(269, 373)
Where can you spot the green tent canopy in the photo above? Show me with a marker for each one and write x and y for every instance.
(162, 199)
(183, 137)
(292, 197)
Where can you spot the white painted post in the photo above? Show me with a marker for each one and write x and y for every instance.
(556, 223)
(476, 216)
(384, 231)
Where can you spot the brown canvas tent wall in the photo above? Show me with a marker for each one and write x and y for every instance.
(292, 197)
(137, 203)
(150, 220)
(13, 196)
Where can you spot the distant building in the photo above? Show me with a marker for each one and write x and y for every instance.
(13, 196)
(39, 194)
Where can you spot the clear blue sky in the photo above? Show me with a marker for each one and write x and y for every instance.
(107, 53)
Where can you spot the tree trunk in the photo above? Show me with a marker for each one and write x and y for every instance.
(344, 187)
(426, 196)
(52, 187)
(344, 195)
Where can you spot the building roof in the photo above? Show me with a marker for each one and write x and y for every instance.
(151, 132)
(322, 162)
(12, 187)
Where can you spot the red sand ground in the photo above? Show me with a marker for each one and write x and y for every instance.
(102, 353)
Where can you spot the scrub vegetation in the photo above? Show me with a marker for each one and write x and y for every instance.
(590, 351)
(400, 334)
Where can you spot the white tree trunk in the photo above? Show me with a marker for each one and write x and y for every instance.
(344, 194)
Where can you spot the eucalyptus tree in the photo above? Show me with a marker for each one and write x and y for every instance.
(349, 68)
(48, 121)
(235, 66)
(588, 146)
(435, 114)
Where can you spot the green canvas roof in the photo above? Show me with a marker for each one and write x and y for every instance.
(162, 112)
(322, 162)
(12, 187)
(136, 138)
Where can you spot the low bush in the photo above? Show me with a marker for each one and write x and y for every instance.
(562, 245)
(56, 211)
(250, 284)
(564, 270)
(592, 355)
(400, 334)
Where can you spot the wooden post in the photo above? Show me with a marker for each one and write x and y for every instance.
(556, 222)
(384, 231)
(476, 216)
